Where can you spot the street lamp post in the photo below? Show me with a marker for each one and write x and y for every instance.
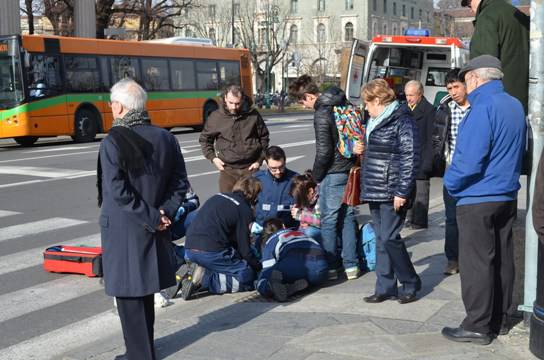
(232, 21)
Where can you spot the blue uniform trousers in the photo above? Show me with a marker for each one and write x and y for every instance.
(225, 270)
(295, 264)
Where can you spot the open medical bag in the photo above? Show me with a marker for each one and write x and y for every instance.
(73, 259)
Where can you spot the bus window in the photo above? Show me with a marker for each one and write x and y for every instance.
(104, 73)
(183, 74)
(124, 67)
(206, 75)
(11, 84)
(81, 74)
(436, 77)
(230, 72)
(44, 76)
(155, 74)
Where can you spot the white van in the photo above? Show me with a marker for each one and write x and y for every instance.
(398, 59)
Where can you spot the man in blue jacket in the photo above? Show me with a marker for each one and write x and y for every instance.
(274, 199)
(484, 178)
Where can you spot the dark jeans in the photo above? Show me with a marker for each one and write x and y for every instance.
(225, 271)
(229, 176)
(486, 263)
(419, 213)
(451, 244)
(137, 316)
(392, 259)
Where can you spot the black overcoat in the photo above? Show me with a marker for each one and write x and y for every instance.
(138, 260)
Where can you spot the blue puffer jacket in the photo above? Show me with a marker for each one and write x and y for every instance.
(391, 159)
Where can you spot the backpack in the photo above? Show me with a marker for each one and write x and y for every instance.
(349, 123)
(368, 246)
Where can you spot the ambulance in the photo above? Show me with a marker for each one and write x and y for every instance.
(399, 59)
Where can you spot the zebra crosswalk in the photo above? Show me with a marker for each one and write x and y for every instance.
(60, 309)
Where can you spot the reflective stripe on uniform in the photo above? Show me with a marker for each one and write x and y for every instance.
(223, 283)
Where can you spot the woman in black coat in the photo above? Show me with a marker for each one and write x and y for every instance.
(388, 173)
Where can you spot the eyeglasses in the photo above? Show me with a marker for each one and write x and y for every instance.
(276, 169)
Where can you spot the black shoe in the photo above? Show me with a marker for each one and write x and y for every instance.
(190, 283)
(505, 328)
(417, 227)
(172, 291)
(280, 290)
(121, 357)
(461, 335)
(376, 298)
(407, 298)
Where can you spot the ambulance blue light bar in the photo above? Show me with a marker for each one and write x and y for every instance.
(417, 32)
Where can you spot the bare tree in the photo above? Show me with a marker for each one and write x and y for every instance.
(213, 21)
(30, 7)
(264, 32)
(448, 4)
(61, 15)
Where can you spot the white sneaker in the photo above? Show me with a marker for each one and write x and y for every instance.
(161, 300)
(352, 273)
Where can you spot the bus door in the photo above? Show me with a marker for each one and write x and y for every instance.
(352, 69)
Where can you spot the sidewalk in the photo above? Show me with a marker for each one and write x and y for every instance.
(330, 323)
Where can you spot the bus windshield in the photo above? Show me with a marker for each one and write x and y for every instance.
(11, 85)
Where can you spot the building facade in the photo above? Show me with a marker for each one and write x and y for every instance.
(310, 34)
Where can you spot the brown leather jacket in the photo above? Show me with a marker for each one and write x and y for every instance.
(238, 140)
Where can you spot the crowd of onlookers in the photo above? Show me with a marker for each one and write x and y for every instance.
(280, 232)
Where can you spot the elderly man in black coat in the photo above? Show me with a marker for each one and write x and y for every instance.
(142, 182)
(423, 113)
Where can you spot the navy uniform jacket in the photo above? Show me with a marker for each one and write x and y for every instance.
(139, 260)
(274, 199)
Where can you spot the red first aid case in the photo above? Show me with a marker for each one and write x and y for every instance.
(73, 259)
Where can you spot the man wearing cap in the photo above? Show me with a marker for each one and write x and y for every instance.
(484, 179)
(501, 30)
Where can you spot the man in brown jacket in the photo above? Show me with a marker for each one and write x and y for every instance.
(234, 138)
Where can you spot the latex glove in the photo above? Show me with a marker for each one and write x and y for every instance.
(256, 228)
(179, 214)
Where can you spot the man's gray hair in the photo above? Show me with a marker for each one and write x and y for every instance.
(128, 93)
(488, 74)
(417, 84)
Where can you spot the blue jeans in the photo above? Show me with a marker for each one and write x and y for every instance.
(337, 222)
(313, 232)
(451, 244)
(392, 259)
(225, 271)
(296, 264)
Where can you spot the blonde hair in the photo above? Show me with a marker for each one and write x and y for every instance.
(378, 89)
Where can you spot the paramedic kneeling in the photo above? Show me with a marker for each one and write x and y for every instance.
(217, 245)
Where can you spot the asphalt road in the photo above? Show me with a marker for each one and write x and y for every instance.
(48, 197)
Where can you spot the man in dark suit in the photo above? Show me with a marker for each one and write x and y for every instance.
(423, 113)
(142, 182)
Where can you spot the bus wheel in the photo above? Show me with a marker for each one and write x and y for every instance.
(26, 140)
(84, 125)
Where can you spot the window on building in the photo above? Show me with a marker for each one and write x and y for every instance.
(82, 74)
(403, 29)
(384, 29)
(429, 17)
(211, 34)
(237, 37)
(206, 75)
(375, 5)
(183, 74)
(395, 8)
(155, 74)
(320, 5)
(189, 33)
(403, 10)
(374, 29)
(420, 14)
(124, 67)
(236, 9)
(348, 32)
(211, 11)
(394, 32)
(412, 12)
(349, 4)
(385, 6)
(321, 33)
(261, 36)
(293, 34)
(294, 6)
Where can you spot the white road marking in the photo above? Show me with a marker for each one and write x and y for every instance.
(48, 156)
(32, 257)
(62, 148)
(38, 171)
(47, 294)
(37, 227)
(300, 143)
(4, 213)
